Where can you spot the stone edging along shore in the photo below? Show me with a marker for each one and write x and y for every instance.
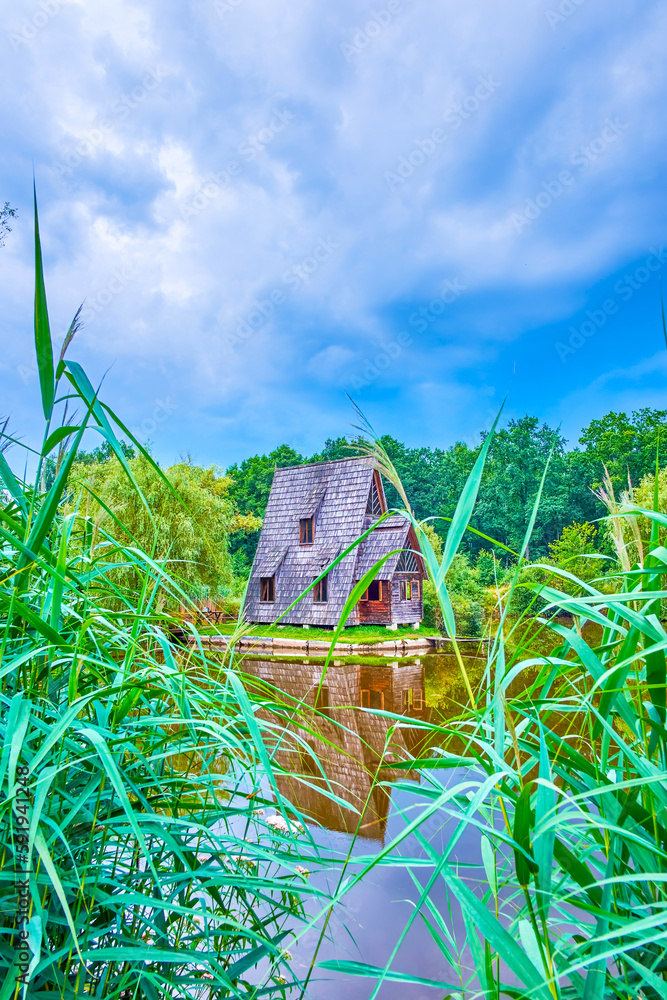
(320, 647)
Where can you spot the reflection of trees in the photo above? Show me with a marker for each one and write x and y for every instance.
(347, 743)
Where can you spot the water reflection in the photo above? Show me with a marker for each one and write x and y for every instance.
(350, 745)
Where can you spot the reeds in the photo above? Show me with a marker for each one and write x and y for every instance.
(134, 857)
(565, 792)
(135, 862)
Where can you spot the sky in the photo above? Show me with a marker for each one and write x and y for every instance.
(268, 207)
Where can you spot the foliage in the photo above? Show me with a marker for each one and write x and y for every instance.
(432, 614)
(575, 543)
(130, 780)
(433, 479)
(103, 453)
(489, 570)
(434, 538)
(626, 446)
(468, 615)
(529, 579)
(6, 213)
(637, 529)
(466, 591)
(182, 518)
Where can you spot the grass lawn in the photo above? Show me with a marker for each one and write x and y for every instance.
(356, 633)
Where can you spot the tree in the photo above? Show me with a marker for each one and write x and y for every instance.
(188, 538)
(517, 459)
(103, 453)
(627, 446)
(575, 543)
(636, 529)
(6, 214)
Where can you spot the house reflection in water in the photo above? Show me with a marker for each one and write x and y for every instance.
(348, 743)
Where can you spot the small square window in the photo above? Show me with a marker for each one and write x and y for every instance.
(374, 592)
(306, 531)
(267, 589)
(321, 591)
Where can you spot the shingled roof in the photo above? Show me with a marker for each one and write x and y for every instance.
(336, 494)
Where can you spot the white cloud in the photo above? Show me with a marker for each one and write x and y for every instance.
(129, 205)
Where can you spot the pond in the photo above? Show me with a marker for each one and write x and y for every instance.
(343, 748)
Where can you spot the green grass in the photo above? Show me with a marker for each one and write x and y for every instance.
(356, 633)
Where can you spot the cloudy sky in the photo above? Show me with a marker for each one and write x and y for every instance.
(428, 205)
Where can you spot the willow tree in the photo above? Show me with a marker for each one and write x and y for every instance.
(182, 518)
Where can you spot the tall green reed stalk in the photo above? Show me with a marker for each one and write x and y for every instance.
(134, 857)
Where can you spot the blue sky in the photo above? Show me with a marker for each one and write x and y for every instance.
(266, 206)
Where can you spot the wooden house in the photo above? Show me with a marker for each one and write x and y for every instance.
(314, 513)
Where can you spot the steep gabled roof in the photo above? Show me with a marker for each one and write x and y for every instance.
(390, 535)
(336, 494)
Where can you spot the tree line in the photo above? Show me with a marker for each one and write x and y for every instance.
(627, 446)
(209, 540)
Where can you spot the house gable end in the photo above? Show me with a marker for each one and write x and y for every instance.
(334, 495)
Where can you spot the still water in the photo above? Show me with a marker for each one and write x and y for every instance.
(342, 749)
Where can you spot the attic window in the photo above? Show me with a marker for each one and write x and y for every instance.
(407, 563)
(267, 589)
(306, 531)
(374, 505)
(374, 592)
(321, 591)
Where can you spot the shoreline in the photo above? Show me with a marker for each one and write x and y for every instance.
(320, 647)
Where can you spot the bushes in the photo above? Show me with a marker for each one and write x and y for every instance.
(467, 596)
